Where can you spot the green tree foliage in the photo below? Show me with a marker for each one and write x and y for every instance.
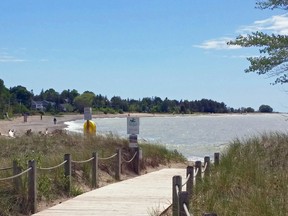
(21, 96)
(272, 4)
(4, 99)
(273, 48)
(265, 109)
(84, 100)
(51, 95)
(18, 100)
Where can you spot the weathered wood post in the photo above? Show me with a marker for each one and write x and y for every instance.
(95, 172)
(176, 189)
(137, 161)
(67, 173)
(207, 164)
(198, 165)
(32, 197)
(190, 182)
(216, 158)
(17, 181)
(183, 200)
(118, 165)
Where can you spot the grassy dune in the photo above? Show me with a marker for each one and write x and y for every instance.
(252, 179)
(49, 151)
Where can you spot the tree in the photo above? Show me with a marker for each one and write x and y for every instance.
(51, 95)
(273, 59)
(265, 109)
(20, 95)
(84, 100)
(4, 99)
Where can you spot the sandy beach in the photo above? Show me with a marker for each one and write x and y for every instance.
(36, 124)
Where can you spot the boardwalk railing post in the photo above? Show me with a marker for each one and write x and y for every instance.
(198, 165)
(17, 181)
(216, 158)
(32, 199)
(118, 165)
(176, 189)
(190, 182)
(67, 172)
(95, 173)
(207, 164)
(183, 199)
(137, 161)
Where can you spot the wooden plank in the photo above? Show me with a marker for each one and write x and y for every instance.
(142, 195)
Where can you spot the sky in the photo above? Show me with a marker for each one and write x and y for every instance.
(139, 48)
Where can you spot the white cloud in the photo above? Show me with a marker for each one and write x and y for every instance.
(7, 58)
(275, 24)
(220, 44)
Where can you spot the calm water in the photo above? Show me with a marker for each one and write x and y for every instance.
(193, 136)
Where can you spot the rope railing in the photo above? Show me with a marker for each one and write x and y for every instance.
(51, 168)
(196, 172)
(129, 161)
(186, 180)
(205, 167)
(181, 199)
(84, 161)
(7, 168)
(67, 162)
(107, 158)
(15, 176)
(186, 210)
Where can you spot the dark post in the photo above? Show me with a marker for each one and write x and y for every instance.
(216, 158)
(67, 172)
(183, 199)
(137, 161)
(207, 170)
(176, 189)
(118, 165)
(32, 199)
(190, 182)
(17, 181)
(198, 165)
(95, 175)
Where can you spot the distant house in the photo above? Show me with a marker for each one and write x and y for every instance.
(41, 105)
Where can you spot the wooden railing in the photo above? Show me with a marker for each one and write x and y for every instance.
(181, 199)
(67, 164)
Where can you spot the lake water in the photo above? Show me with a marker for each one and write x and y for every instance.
(195, 136)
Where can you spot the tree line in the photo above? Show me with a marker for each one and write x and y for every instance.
(19, 100)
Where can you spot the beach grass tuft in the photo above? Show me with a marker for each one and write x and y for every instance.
(251, 179)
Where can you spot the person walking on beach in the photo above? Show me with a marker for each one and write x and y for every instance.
(55, 120)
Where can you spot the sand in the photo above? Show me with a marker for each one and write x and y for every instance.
(38, 125)
(35, 123)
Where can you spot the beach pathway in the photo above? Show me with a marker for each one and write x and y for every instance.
(142, 195)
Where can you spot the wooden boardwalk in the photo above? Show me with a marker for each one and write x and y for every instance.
(142, 195)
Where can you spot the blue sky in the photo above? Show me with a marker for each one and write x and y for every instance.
(138, 48)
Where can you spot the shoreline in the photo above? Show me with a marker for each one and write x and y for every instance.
(38, 125)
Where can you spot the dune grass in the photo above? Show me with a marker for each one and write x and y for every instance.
(49, 151)
(252, 179)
